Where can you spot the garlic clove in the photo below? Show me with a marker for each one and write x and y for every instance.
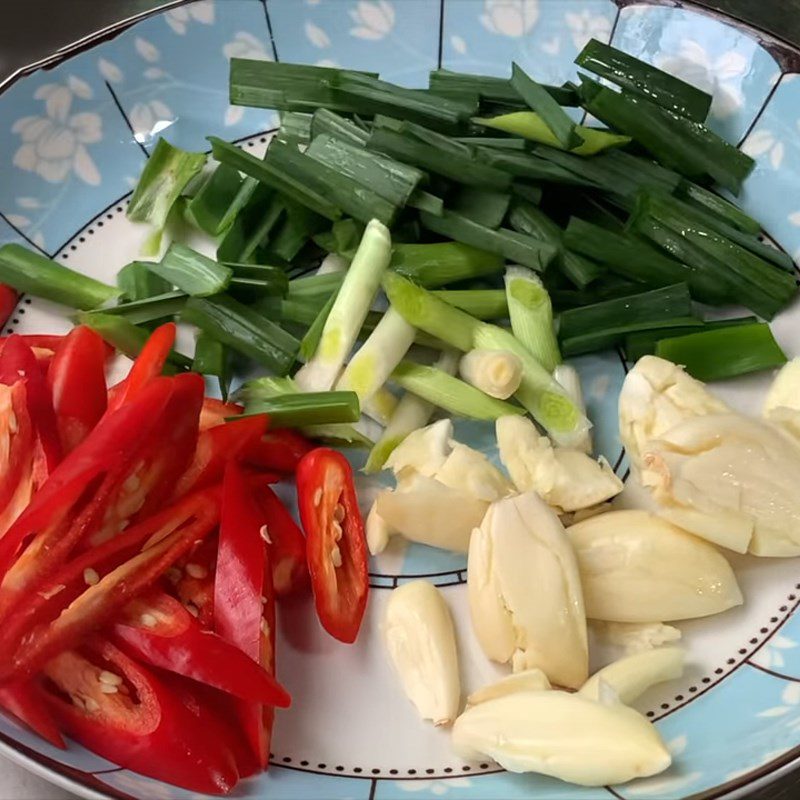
(423, 450)
(785, 389)
(635, 637)
(470, 471)
(419, 635)
(530, 680)
(377, 531)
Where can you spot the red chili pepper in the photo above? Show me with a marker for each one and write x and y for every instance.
(216, 446)
(26, 702)
(77, 380)
(8, 302)
(148, 366)
(157, 629)
(195, 589)
(279, 450)
(215, 412)
(336, 547)
(17, 361)
(16, 457)
(152, 725)
(287, 551)
(240, 615)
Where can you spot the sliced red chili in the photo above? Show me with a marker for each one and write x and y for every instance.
(16, 455)
(156, 726)
(279, 451)
(215, 412)
(77, 381)
(335, 542)
(8, 302)
(26, 702)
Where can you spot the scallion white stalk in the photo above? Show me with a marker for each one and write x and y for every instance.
(353, 302)
(568, 377)
(498, 373)
(332, 263)
(531, 314)
(381, 406)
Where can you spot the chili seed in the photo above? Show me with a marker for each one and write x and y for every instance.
(148, 620)
(196, 571)
(336, 557)
(109, 678)
(91, 577)
(107, 688)
(132, 483)
(264, 627)
(193, 609)
(51, 592)
(318, 496)
(338, 512)
(264, 531)
(12, 423)
(337, 530)
(91, 704)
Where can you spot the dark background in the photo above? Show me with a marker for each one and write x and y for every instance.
(33, 29)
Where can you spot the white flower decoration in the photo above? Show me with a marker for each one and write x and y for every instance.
(179, 18)
(790, 697)
(28, 202)
(720, 77)
(53, 145)
(374, 19)
(552, 46)
(434, 787)
(512, 18)
(764, 142)
(109, 70)
(584, 26)
(233, 115)
(459, 45)
(771, 656)
(316, 35)
(149, 119)
(245, 45)
(147, 50)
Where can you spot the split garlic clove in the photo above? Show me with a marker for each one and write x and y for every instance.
(570, 381)
(785, 389)
(656, 396)
(635, 637)
(377, 531)
(426, 511)
(530, 680)
(538, 732)
(632, 676)
(419, 634)
(728, 478)
(472, 472)
(636, 567)
(524, 591)
(423, 450)
(567, 479)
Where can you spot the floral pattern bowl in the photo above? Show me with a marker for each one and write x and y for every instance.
(75, 131)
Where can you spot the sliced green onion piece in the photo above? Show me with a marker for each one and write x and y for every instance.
(722, 208)
(637, 76)
(425, 201)
(483, 206)
(246, 189)
(308, 408)
(529, 165)
(528, 192)
(252, 226)
(310, 342)
(442, 263)
(191, 271)
(453, 395)
(343, 238)
(326, 121)
(714, 355)
(495, 142)
(126, 337)
(31, 273)
(159, 307)
(372, 364)
(497, 373)
(212, 358)
(509, 244)
(479, 303)
(316, 285)
(295, 127)
(492, 89)
(137, 282)
(531, 314)
(358, 290)
(209, 207)
(267, 273)
(298, 226)
(165, 175)
(244, 330)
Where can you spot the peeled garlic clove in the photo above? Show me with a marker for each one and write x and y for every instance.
(525, 593)
(636, 567)
(531, 680)
(497, 373)
(567, 479)
(377, 531)
(470, 471)
(419, 635)
(632, 676)
(424, 450)
(656, 396)
(424, 510)
(569, 379)
(563, 735)
(635, 637)
(785, 389)
(726, 468)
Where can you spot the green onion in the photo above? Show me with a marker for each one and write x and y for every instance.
(310, 342)
(442, 263)
(531, 125)
(317, 286)
(459, 167)
(483, 206)
(252, 226)
(293, 174)
(126, 337)
(675, 141)
(479, 303)
(243, 196)
(308, 408)
(425, 201)
(158, 308)
(325, 121)
(270, 274)
(714, 355)
(343, 238)
(635, 259)
(209, 207)
(372, 364)
(358, 290)
(191, 271)
(531, 316)
(244, 330)
(509, 244)
(165, 175)
(298, 226)
(137, 282)
(453, 395)
(644, 343)
(212, 358)
(637, 76)
(492, 89)
(529, 165)
(31, 273)
(390, 179)
(295, 128)
(531, 194)
(722, 208)
(495, 142)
